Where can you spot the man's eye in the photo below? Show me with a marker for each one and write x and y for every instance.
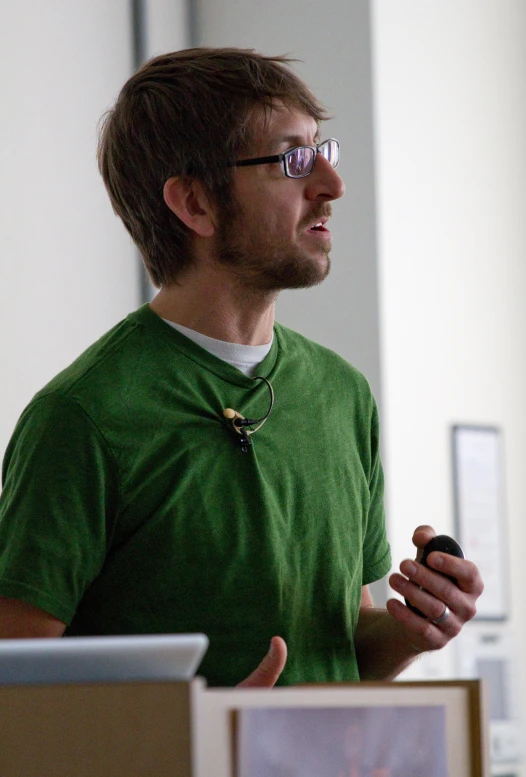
(299, 160)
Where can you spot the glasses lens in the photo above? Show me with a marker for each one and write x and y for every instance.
(331, 151)
(299, 161)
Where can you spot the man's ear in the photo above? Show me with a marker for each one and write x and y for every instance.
(190, 203)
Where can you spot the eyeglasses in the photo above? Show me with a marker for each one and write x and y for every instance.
(298, 162)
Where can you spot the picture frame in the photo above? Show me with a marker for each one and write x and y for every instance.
(378, 730)
(283, 733)
(479, 512)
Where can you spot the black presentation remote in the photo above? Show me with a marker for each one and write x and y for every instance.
(444, 544)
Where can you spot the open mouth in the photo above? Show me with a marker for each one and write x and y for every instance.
(318, 227)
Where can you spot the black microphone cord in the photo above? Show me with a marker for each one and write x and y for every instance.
(240, 424)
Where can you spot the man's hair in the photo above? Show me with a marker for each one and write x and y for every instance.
(187, 114)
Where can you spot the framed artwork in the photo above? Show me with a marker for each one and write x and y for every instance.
(478, 485)
(373, 730)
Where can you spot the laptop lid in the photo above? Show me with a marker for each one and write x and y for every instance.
(101, 659)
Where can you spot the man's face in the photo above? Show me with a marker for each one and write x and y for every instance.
(274, 241)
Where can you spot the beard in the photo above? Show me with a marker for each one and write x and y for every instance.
(265, 262)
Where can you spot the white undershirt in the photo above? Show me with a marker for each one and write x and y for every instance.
(246, 358)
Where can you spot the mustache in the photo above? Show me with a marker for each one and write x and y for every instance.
(324, 210)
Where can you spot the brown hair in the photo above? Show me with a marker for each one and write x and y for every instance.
(186, 114)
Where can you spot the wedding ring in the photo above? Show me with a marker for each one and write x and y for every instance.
(442, 618)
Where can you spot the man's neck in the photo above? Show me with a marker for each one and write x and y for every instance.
(214, 304)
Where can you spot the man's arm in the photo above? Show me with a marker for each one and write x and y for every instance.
(387, 641)
(19, 620)
(382, 650)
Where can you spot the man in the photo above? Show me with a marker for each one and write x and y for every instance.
(137, 497)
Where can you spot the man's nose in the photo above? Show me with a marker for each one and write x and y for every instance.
(324, 182)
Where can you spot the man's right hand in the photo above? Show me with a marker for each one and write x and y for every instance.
(267, 673)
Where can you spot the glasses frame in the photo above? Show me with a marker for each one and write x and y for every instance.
(283, 158)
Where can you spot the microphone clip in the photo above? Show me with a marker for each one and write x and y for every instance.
(245, 442)
(239, 422)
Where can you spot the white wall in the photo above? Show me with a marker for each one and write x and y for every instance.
(450, 117)
(68, 270)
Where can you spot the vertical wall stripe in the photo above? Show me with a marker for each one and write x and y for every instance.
(194, 35)
(138, 16)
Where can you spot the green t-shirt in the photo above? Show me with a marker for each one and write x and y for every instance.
(129, 507)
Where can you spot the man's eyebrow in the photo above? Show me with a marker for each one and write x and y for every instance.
(290, 141)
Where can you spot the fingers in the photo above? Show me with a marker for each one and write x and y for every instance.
(422, 634)
(421, 536)
(446, 604)
(465, 572)
(267, 673)
(459, 598)
(431, 605)
(430, 592)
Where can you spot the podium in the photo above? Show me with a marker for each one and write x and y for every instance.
(184, 729)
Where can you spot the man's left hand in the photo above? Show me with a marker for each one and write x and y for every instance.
(434, 595)
(267, 673)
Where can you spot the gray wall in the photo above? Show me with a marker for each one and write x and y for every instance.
(333, 41)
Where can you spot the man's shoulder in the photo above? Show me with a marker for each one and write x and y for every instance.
(108, 355)
(104, 382)
(314, 356)
(115, 371)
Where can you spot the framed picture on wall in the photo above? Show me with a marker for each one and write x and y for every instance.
(478, 486)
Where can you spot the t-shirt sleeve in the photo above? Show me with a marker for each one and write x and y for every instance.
(57, 508)
(376, 553)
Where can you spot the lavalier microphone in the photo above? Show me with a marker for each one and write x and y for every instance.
(240, 424)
